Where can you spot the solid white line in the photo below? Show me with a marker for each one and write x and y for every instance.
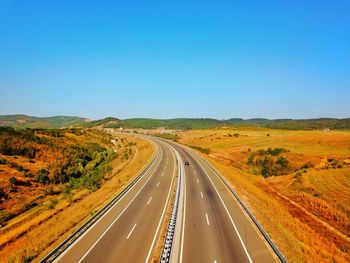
(86, 232)
(228, 213)
(164, 209)
(202, 195)
(149, 200)
(115, 220)
(206, 215)
(158, 184)
(131, 231)
(184, 215)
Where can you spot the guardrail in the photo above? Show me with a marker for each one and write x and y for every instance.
(252, 217)
(169, 237)
(54, 254)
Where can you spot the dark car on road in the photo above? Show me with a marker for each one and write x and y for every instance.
(187, 163)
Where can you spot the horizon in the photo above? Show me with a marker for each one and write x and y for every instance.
(245, 119)
(215, 60)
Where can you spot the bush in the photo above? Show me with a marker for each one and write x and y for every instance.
(265, 162)
(13, 181)
(283, 162)
(3, 195)
(53, 203)
(203, 150)
(43, 176)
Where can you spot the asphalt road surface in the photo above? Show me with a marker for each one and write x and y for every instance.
(129, 231)
(214, 227)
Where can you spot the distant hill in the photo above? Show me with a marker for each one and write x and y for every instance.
(195, 123)
(176, 124)
(24, 121)
(109, 122)
(310, 124)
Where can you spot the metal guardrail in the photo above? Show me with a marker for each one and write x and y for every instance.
(256, 222)
(169, 237)
(54, 254)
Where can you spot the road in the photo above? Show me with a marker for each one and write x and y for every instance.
(129, 231)
(214, 227)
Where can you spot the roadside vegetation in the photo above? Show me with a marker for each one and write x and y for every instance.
(23, 121)
(169, 136)
(297, 184)
(51, 180)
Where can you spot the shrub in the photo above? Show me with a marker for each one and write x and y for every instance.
(13, 181)
(283, 162)
(20, 168)
(265, 162)
(53, 203)
(203, 150)
(43, 176)
(3, 195)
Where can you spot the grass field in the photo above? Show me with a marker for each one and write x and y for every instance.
(299, 192)
(33, 232)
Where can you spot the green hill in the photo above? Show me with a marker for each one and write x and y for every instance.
(176, 124)
(109, 122)
(24, 121)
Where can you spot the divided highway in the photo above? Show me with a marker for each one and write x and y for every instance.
(129, 231)
(213, 226)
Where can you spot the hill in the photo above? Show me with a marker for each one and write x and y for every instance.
(176, 124)
(24, 121)
(207, 123)
(310, 124)
(109, 122)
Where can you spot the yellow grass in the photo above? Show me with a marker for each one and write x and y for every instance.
(308, 216)
(39, 231)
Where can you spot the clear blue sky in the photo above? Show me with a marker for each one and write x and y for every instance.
(164, 59)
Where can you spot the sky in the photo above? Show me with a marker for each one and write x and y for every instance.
(167, 59)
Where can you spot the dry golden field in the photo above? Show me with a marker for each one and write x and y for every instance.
(35, 231)
(297, 185)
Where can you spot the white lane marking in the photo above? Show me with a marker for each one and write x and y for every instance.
(184, 215)
(194, 171)
(202, 195)
(162, 174)
(149, 200)
(228, 213)
(131, 231)
(115, 220)
(206, 215)
(158, 184)
(161, 219)
(197, 180)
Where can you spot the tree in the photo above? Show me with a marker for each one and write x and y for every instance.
(13, 181)
(43, 176)
(283, 162)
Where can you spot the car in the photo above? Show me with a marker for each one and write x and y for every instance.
(187, 163)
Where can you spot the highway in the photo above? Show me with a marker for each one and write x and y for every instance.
(129, 231)
(214, 228)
